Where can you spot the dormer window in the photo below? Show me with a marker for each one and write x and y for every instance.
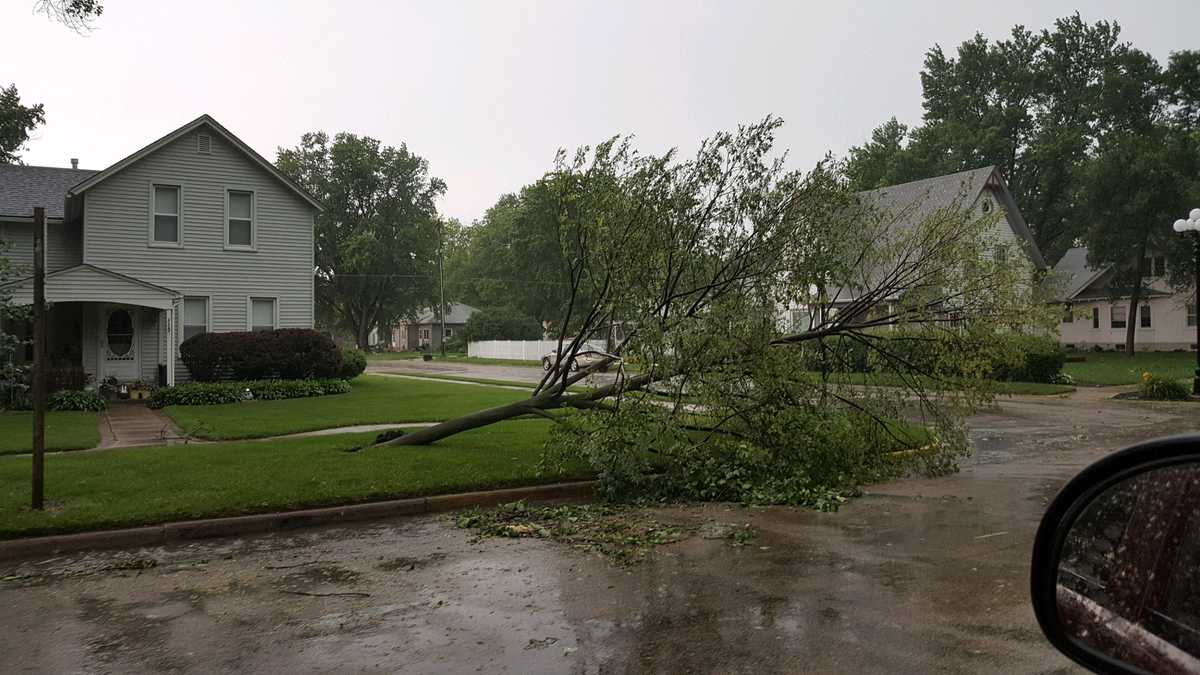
(166, 227)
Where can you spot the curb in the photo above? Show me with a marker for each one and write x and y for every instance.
(192, 530)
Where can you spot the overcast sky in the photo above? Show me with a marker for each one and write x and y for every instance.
(487, 91)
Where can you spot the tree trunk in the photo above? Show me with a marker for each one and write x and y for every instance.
(1135, 295)
(458, 425)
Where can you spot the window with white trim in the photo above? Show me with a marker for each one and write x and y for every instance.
(1117, 316)
(449, 332)
(1144, 314)
(195, 316)
(262, 313)
(1191, 313)
(239, 227)
(164, 228)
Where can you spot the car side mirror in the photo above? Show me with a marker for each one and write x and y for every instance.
(1115, 576)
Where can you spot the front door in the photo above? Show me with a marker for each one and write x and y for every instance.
(118, 343)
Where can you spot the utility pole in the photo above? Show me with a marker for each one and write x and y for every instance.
(39, 356)
(441, 281)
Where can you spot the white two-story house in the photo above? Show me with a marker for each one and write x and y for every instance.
(194, 232)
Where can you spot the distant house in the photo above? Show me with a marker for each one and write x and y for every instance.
(1095, 314)
(983, 191)
(427, 328)
(195, 232)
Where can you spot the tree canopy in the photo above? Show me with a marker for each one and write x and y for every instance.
(1038, 105)
(512, 257)
(376, 242)
(17, 121)
(697, 256)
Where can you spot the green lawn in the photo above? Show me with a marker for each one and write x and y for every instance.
(64, 431)
(138, 486)
(374, 399)
(1114, 368)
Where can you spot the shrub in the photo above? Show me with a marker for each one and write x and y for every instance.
(501, 323)
(354, 362)
(287, 353)
(1158, 388)
(213, 393)
(1038, 359)
(74, 399)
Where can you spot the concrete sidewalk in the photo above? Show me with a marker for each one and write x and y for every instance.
(130, 423)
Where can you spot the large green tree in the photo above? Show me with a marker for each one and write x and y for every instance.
(513, 256)
(696, 256)
(17, 120)
(377, 239)
(1036, 104)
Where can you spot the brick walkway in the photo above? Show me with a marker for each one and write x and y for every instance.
(128, 423)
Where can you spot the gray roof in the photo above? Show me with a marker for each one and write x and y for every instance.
(1072, 273)
(1072, 276)
(919, 199)
(24, 187)
(459, 313)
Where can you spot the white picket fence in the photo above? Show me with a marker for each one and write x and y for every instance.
(520, 350)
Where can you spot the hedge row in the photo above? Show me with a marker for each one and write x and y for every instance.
(212, 393)
(1015, 357)
(286, 354)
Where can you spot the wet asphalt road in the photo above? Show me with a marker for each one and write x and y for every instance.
(917, 576)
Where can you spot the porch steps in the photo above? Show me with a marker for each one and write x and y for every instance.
(131, 423)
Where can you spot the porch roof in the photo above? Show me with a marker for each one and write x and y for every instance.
(88, 283)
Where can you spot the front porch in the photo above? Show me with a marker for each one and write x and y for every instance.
(112, 326)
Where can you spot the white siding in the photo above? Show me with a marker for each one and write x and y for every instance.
(116, 221)
(63, 246)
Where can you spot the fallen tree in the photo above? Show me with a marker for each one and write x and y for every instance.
(698, 260)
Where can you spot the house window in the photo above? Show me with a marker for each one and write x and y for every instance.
(1191, 313)
(1144, 315)
(449, 332)
(1117, 316)
(1155, 266)
(164, 228)
(425, 333)
(1095, 317)
(1067, 317)
(195, 317)
(239, 231)
(262, 313)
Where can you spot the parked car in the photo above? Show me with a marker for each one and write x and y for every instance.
(584, 358)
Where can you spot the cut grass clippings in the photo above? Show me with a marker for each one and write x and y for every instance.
(141, 486)
(626, 534)
(64, 431)
(373, 399)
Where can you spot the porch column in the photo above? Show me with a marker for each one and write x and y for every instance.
(172, 345)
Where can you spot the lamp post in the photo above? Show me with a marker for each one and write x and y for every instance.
(1192, 224)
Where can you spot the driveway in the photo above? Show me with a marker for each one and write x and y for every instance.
(916, 576)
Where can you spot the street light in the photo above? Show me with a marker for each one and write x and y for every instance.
(1192, 224)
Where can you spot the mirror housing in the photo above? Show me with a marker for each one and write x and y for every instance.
(1102, 623)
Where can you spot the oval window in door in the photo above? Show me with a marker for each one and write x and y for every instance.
(119, 333)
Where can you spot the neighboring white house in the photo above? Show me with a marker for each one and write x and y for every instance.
(1097, 315)
(194, 232)
(981, 190)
